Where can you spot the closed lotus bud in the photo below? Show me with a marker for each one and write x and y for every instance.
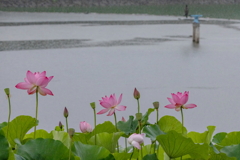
(136, 94)
(135, 140)
(60, 125)
(156, 105)
(123, 119)
(85, 127)
(65, 112)
(71, 132)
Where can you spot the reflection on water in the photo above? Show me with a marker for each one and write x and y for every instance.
(209, 70)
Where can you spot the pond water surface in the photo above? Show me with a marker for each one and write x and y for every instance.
(91, 59)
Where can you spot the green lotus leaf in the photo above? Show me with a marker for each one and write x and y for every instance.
(125, 156)
(204, 137)
(128, 127)
(221, 156)
(175, 145)
(231, 138)
(146, 115)
(232, 151)
(43, 149)
(109, 157)
(219, 137)
(4, 148)
(107, 126)
(152, 131)
(3, 125)
(82, 137)
(18, 127)
(39, 134)
(169, 123)
(107, 140)
(89, 152)
(150, 156)
(62, 136)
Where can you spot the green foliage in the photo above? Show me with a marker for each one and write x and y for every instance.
(232, 151)
(4, 148)
(204, 137)
(18, 127)
(219, 137)
(144, 120)
(107, 140)
(221, 156)
(169, 123)
(175, 145)
(62, 136)
(150, 156)
(128, 127)
(89, 152)
(39, 134)
(43, 149)
(230, 139)
(152, 131)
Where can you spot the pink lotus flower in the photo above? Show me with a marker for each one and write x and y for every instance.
(111, 104)
(179, 100)
(85, 127)
(135, 140)
(34, 81)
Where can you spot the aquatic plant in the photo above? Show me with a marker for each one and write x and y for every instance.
(170, 139)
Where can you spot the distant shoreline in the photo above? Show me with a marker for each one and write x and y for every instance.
(223, 11)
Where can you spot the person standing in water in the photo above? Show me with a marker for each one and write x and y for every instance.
(186, 11)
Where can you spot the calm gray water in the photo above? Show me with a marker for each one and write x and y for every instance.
(89, 61)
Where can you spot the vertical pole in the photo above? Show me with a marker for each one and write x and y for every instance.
(196, 33)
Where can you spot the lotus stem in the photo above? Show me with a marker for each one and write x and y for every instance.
(36, 116)
(115, 119)
(132, 154)
(7, 91)
(126, 145)
(138, 105)
(182, 119)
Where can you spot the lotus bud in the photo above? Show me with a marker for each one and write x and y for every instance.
(123, 119)
(7, 91)
(85, 127)
(71, 132)
(136, 94)
(135, 140)
(156, 105)
(139, 116)
(60, 125)
(93, 105)
(65, 112)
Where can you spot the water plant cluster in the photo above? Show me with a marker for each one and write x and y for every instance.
(170, 139)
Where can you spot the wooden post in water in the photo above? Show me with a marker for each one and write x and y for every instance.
(196, 28)
(196, 33)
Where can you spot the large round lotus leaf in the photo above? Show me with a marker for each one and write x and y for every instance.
(107, 140)
(18, 127)
(232, 151)
(204, 137)
(231, 138)
(152, 131)
(89, 152)
(175, 145)
(169, 123)
(4, 148)
(128, 127)
(43, 149)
